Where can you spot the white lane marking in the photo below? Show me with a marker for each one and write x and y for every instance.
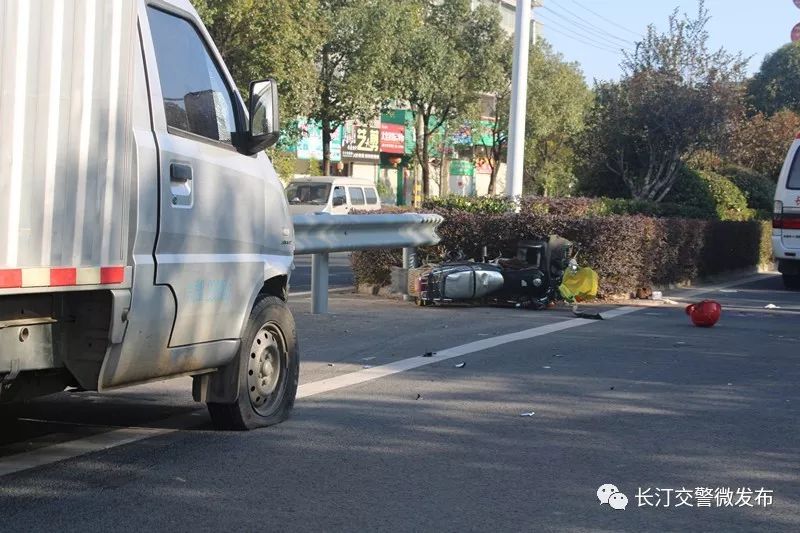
(75, 448)
(95, 443)
(370, 374)
(308, 293)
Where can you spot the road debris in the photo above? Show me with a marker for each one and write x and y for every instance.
(330, 364)
(461, 365)
(584, 314)
(527, 414)
(547, 367)
(419, 396)
(771, 306)
(365, 367)
(611, 388)
(557, 355)
(428, 354)
(669, 301)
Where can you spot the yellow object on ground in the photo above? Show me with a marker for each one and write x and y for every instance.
(579, 284)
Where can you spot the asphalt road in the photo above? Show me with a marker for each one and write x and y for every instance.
(340, 274)
(641, 400)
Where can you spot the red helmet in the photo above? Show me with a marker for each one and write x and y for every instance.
(704, 314)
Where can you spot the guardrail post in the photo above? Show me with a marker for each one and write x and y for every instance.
(409, 261)
(319, 283)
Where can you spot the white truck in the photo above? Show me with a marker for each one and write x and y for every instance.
(144, 233)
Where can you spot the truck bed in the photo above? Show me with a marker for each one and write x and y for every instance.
(65, 125)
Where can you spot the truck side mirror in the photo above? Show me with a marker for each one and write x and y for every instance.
(337, 201)
(264, 120)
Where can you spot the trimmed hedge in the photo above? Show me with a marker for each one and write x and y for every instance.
(694, 201)
(626, 251)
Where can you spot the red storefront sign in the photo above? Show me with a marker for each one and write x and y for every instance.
(393, 138)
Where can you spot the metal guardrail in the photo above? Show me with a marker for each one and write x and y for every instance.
(321, 234)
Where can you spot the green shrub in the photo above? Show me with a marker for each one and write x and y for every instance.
(471, 204)
(757, 188)
(710, 193)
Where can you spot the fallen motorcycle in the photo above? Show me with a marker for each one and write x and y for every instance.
(529, 280)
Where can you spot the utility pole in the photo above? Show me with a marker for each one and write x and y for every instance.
(519, 93)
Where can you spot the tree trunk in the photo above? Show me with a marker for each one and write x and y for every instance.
(326, 147)
(422, 150)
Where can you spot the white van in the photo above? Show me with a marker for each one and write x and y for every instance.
(331, 194)
(786, 219)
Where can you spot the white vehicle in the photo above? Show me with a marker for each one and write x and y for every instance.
(330, 194)
(144, 233)
(786, 219)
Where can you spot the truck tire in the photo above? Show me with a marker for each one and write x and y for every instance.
(268, 370)
(791, 281)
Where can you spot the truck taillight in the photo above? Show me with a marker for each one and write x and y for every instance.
(777, 215)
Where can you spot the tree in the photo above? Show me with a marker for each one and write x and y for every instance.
(354, 62)
(558, 103)
(676, 96)
(261, 38)
(760, 142)
(776, 85)
(446, 57)
(497, 131)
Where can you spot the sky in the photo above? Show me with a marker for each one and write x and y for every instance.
(591, 32)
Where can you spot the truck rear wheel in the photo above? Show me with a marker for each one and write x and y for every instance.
(791, 281)
(268, 370)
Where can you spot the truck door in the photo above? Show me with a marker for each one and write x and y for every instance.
(211, 230)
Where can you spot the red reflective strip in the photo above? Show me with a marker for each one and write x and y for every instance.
(112, 275)
(63, 276)
(11, 278)
(790, 223)
(786, 222)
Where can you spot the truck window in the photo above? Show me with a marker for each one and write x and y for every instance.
(338, 192)
(356, 195)
(372, 196)
(196, 97)
(793, 181)
(308, 193)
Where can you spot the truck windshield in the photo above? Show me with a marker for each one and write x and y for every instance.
(308, 193)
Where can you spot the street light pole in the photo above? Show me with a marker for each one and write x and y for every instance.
(519, 93)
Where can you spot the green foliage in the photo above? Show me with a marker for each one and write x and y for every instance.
(675, 97)
(447, 54)
(315, 168)
(712, 193)
(268, 38)
(775, 86)
(757, 188)
(354, 61)
(284, 163)
(557, 108)
(479, 204)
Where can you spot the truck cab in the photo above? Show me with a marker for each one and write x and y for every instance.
(147, 233)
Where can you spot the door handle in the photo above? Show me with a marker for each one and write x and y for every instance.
(180, 185)
(180, 172)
